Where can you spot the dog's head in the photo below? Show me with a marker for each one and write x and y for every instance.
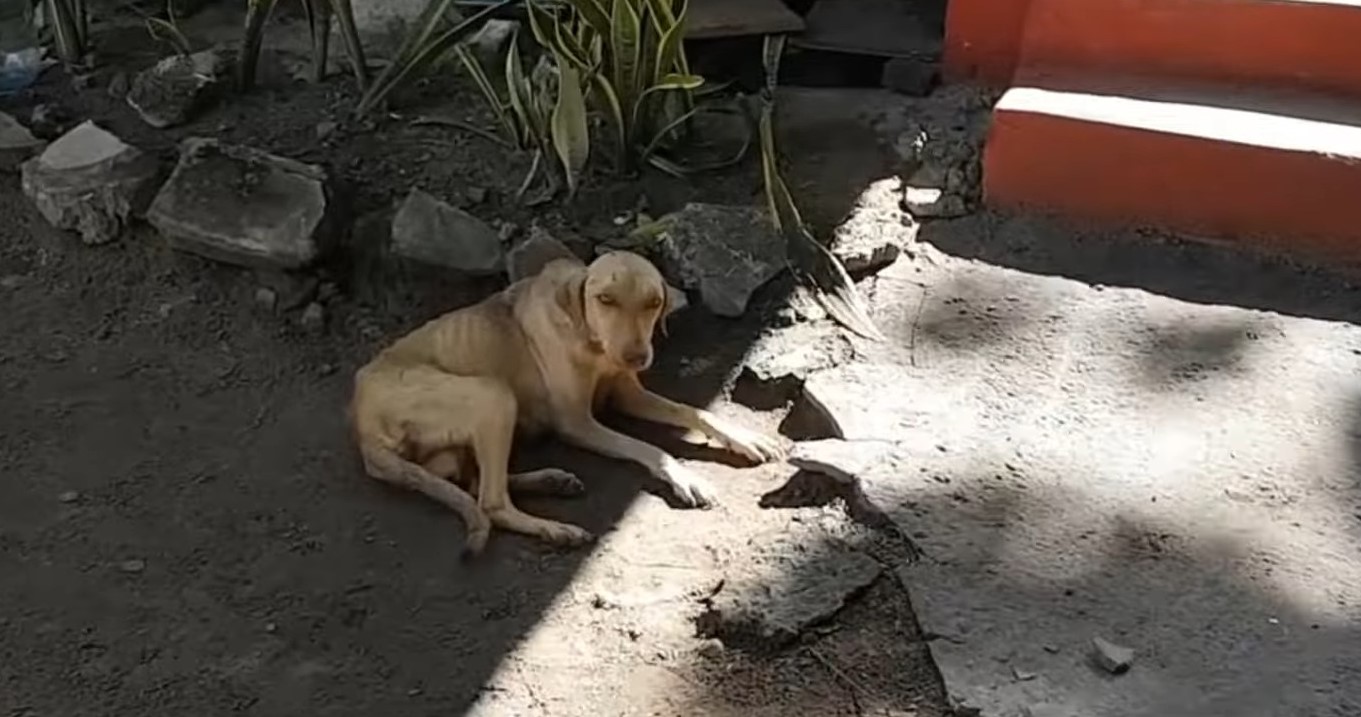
(617, 301)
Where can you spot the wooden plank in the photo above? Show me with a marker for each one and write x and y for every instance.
(735, 18)
(889, 28)
(714, 18)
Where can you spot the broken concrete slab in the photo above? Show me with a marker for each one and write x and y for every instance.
(876, 231)
(725, 253)
(17, 144)
(243, 206)
(737, 18)
(428, 231)
(787, 588)
(775, 368)
(91, 182)
(1071, 449)
(170, 92)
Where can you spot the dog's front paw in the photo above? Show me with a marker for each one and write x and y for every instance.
(755, 447)
(691, 490)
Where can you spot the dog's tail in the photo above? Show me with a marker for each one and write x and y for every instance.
(384, 463)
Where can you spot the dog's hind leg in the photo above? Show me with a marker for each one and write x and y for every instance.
(383, 463)
(491, 441)
(449, 464)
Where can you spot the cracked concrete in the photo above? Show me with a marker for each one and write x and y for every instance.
(1081, 461)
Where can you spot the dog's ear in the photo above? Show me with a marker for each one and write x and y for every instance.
(571, 297)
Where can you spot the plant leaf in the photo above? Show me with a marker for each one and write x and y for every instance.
(811, 263)
(571, 133)
(490, 95)
(257, 15)
(624, 48)
(349, 34)
(422, 47)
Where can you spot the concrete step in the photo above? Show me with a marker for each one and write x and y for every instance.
(1281, 171)
(1282, 43)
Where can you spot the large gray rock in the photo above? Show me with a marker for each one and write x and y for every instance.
(431, 232)
(243, 206)
(17, 144)
(171, 91)
(788, 586)
(724, 253)
(91, 182)
(530, 256)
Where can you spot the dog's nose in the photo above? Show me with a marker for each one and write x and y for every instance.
(638, 358)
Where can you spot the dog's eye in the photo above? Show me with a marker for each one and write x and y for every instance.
(654, 303)
(605, 299)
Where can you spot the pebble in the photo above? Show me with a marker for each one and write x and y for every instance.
(132, 566)
(69, 496)
(119, 85)
(11, 282)
(1113, 658)
(326, 129)
(313, 318)
(266, 298)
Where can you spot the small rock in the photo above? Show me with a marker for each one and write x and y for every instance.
(173, 90)
(271, 628)
(505, 231)
(91, 182)
(1022, 675)
(132, 566)
(266, 299)
(291, 289)
(930, 202)
(530, 256)
(710, 649)
(489, 42)
(814, 582)
(11, 282)
(119, 85)
(313, 319)
(17, 144)
(432, 232)
(475, 195)
(725, 253)
(1113, 658)
(909, 76)
(69, 496)
(326, 129)
(243, 206)
(46, 120)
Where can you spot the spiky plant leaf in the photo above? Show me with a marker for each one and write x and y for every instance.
(571, 131)
(811, 263)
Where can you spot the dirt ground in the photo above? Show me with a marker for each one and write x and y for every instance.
(183, 526)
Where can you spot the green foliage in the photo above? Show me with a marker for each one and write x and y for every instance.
(167, 30)
(811, 263)
(631, 58)
(543, 111)
(70, 23)
(319, 14)
(427, 43)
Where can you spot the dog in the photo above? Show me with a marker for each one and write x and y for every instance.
(438, 409)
